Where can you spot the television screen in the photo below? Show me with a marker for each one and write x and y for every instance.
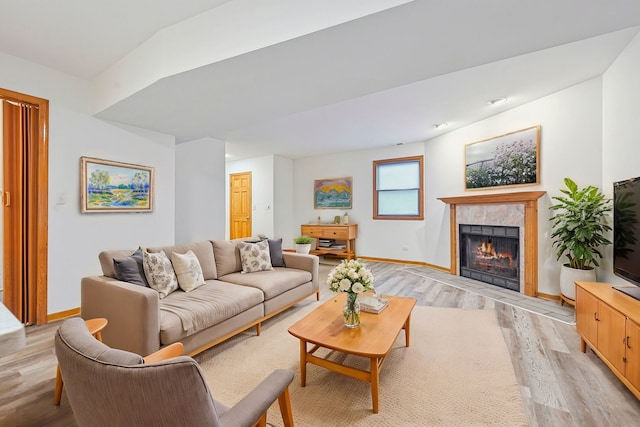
(626, 230)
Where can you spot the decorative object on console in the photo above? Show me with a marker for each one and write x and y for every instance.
(332, 193)
(506, 160)
(579, 227)
(352, 277)
(108, 186)
(303, 244)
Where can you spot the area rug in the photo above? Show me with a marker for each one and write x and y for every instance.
(457, 372)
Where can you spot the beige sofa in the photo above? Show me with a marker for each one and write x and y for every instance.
(228, 303)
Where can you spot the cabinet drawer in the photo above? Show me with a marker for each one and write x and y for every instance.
(312, 231)
(331, 232)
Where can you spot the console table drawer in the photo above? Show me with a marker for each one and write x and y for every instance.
(334, 232)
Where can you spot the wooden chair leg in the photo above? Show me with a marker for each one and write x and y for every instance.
(285, 408)
(262, 422)
(58, 395)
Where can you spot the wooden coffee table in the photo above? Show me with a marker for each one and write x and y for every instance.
(373, 339)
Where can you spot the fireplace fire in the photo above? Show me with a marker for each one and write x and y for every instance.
(490, 254)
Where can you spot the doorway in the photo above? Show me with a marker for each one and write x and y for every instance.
(25, 125)
(240, 205)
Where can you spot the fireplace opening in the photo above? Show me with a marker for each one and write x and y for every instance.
(491, 254)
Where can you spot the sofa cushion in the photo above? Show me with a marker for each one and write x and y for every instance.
(182, 314)
(106, 260)
(255, 256)
(227, 257)
(159, 272)
(275, 252)
(130, 269)
(188, 270)
(272, 283)
(203, 250)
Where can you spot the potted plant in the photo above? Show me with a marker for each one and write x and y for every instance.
(579, 227)
(303, 244)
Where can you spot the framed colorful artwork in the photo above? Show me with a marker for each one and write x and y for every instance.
(108, 186)
(332, 193)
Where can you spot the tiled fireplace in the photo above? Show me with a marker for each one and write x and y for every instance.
(514, 215)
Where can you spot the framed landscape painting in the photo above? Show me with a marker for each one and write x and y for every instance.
(506, 160)
(332, 193)
(108, 186)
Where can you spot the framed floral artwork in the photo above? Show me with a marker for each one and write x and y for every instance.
(506, 160)
(108, 186)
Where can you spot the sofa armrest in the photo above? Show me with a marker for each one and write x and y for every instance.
(304, 262)
(133, 313)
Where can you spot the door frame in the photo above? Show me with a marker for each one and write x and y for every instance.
(231, 201)
(38, 162)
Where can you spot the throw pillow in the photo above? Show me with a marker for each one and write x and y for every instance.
(188, 270)
(130, 269)
(159, 272)
(275, 252)
(255, 256)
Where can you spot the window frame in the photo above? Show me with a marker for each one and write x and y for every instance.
(410, 159)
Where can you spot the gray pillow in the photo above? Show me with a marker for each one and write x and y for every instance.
(130, 269)
(275, 251)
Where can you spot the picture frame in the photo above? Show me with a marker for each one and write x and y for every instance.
(333, 193)
(110, 186)
(512, 159)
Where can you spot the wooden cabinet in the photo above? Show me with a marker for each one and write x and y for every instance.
(342, 234)
(608, 322)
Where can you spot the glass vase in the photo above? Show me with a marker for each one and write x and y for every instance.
(351, 311)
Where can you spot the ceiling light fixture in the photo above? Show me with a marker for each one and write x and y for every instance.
(440, 125)
(496, 101)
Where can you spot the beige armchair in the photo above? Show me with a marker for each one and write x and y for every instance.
(108, 387)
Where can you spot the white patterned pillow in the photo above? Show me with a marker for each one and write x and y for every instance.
(159, 272)
(255, 256)
(188, 270)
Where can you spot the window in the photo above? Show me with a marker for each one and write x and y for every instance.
(398, 192)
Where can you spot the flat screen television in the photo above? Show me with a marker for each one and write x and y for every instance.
(626, 231)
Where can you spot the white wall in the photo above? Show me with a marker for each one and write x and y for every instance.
(262, 192)
(75, 239)
(383, 239)
(283, 201)
(200, 191)
(571, 134)
(621, 129)
(570, 146)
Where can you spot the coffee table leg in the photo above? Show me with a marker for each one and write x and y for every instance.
(375, 375)
(303, 363)
(407, 330)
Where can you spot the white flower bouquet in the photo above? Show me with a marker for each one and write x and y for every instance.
(353, 277)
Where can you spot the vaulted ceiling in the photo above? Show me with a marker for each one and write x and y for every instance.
(300, 78)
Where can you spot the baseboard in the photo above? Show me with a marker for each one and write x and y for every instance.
(63, 314)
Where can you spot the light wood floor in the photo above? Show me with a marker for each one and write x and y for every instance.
(560, 385)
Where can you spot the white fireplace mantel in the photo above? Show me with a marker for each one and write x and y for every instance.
(530, 201)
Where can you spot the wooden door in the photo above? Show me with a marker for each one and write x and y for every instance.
(240, 205)
(586, 315)
(611, 335)
(633, 354)
(25, 205)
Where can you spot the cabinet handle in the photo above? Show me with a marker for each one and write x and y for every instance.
(595, 316)
(627, 342)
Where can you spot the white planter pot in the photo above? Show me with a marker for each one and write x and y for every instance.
(303, 248)
(568, 277)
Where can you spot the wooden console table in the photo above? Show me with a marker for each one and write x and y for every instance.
(608, 321)
(343, 234)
